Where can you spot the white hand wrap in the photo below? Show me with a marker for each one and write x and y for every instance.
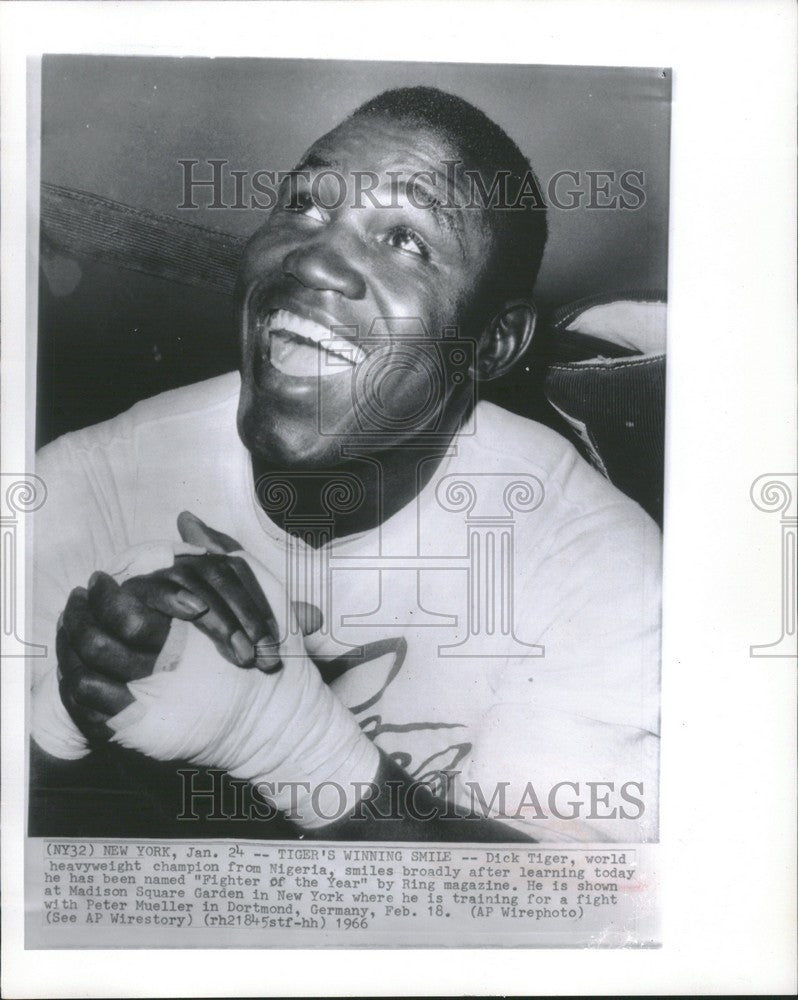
(284, 732)
(51, 725)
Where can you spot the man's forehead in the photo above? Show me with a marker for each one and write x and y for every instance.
(402, 156)
(381, 143)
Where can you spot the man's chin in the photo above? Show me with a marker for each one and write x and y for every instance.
(287, 446)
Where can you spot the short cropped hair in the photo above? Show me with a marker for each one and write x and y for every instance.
(521, 231)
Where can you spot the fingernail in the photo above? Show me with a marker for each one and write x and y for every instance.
(267, 656)
(190, 602)
(94, 578)
(242, 647)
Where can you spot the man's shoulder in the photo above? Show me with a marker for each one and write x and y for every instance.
(190, 400)
(192, 409)
(518, 437)
(573, 490)
(515, 443)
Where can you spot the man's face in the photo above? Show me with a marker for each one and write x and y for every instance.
(317, 371)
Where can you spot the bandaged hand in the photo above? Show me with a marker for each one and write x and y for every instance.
(234, 688)
(112, 631)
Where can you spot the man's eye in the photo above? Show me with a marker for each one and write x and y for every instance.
(405, 239)
(303, 204)
(312, 211)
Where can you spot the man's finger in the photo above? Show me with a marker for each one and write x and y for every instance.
(245, 600)
(85, 690)
(92, 724)
(68, 660)
(95, 648)
(100, 694)
(215, 583)
(265, 624)
(196, 532)
(235, 583)
(99, 651)
(308, 616)
(124, 616)
(165, 593)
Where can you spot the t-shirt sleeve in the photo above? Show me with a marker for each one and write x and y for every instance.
(571, 738)
(76, 531)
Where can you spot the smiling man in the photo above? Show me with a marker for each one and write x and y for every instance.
(396, 612)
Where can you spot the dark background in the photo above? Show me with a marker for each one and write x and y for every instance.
(117, 127)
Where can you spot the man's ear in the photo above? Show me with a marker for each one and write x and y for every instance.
(505, 339)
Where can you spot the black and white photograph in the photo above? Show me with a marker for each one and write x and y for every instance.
(339, 557)
(351, 425)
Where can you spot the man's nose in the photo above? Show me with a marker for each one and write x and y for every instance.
(325, 267)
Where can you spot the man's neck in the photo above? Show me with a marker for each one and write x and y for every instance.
(363, 490)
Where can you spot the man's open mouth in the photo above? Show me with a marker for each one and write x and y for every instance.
(303, 348)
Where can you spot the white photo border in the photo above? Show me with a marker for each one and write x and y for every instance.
(729, 769)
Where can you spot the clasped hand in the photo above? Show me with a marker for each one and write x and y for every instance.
(110, 634)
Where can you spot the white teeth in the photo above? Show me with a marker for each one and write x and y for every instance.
(307, 329)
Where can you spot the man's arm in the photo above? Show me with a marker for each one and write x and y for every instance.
(107, 627)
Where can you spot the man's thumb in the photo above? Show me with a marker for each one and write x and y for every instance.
(196, 532)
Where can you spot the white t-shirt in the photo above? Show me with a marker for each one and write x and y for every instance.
(503, 627)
